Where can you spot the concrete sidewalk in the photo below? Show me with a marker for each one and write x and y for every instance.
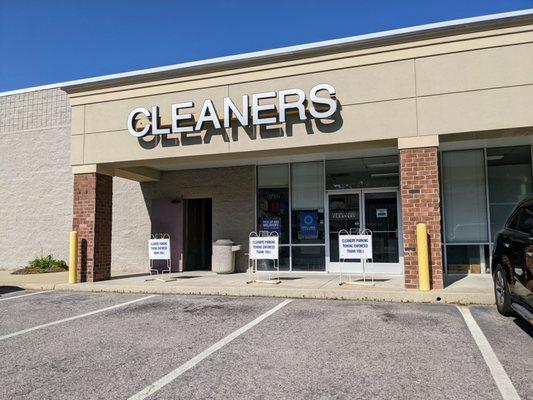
(471, 289)
(33, 281)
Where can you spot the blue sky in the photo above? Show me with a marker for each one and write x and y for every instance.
(51, 41)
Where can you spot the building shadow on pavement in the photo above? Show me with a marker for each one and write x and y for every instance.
(451, 279)
(524, 326)
(132, 275)
(9, 289)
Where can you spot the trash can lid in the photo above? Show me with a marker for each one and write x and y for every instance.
(224, 242)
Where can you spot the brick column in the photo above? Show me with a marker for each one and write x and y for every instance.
(421, 203)
(92, 210)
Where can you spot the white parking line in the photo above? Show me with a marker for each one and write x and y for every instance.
(165, 380)
(24, 295)
(503, 382)
(73, 318)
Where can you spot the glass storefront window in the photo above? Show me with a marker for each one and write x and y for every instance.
(344, 214)
(290, 200)
(307, 193)
(284, 261)
(273, 200)
(273, 212)
(470, 259)
(356, 173)
(308, 258)
(305, 189)
(276, 175)
(509, 176)
(499, 176)
(381, 217)
(464, 196)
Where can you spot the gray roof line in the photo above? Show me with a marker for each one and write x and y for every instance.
(279, 51)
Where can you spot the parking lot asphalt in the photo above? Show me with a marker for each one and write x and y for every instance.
(216, 347)
(512, 341)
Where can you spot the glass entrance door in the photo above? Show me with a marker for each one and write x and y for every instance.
(344, 213)
(374, 209)
(381, 217)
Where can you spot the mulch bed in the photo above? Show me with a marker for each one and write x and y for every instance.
(33, 270)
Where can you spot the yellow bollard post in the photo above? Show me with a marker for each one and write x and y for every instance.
(423, 256)
(73, 257)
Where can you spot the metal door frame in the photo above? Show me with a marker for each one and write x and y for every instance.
(329, 193)
(362, 221)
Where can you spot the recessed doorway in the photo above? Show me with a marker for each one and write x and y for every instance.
(197, 234)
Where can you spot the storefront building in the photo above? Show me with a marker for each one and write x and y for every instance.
(432, 124)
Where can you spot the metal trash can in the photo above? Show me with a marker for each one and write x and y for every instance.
(223, 260)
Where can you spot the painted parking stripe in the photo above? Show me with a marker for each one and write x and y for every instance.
(25, 295)
(165, 380)
(22, 332)
(503, 382)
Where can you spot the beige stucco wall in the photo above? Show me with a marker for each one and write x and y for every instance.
(232, 191)
(35, 177)
(462, 83)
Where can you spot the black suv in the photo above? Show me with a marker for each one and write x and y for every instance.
(512, 263)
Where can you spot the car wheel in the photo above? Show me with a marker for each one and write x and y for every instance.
(501, 292)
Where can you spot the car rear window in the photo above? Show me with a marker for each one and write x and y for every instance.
(525, 220)
(513, 220)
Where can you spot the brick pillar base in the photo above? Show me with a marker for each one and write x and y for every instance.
(92, 210)
(421, 203)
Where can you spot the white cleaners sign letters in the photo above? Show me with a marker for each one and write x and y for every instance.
(250, 111)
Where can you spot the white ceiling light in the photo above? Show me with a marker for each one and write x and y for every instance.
(383, 165)
(384, 175)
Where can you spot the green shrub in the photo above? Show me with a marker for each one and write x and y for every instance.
(42, 265)
(45, 263)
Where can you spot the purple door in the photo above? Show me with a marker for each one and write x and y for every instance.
(167, 217)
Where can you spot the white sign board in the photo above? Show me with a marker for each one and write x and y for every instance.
(264, 248)
(381, 213)
(159, 249)
(355, 246)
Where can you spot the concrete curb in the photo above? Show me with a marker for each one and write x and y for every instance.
(367, 294)
(364, 294)
(31, 286)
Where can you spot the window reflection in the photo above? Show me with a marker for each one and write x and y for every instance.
(469, 259)
(307, 202)
(507, 181)
(356, 173)
(308, 258)
(273, 212)
(509, 176)
(273, 200)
